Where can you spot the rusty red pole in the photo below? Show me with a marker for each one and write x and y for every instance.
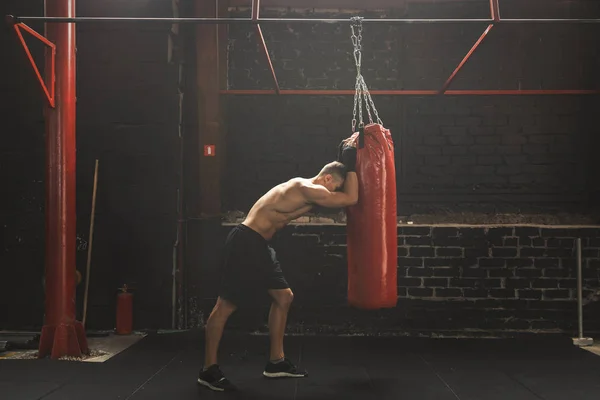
(62, 335)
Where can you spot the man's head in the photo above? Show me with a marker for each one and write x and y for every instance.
(332, 176)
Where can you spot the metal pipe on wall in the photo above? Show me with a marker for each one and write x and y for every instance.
(579, 290)
(580, 340)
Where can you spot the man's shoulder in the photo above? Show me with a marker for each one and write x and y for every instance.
(300, 187)
(295, 183)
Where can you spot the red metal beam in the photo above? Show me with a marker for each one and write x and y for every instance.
(466, 58)
(61, 335)
(495, 10)
(255, 9)
(309, 92)
(48, 89)
(495, 15)
(263, 43)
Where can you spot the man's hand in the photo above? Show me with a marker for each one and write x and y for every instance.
(347, 154)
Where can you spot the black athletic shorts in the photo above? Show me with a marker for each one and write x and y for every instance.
(249, 267)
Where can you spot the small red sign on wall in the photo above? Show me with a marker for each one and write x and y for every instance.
(209, 150)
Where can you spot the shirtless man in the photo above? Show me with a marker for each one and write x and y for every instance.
(250, 266)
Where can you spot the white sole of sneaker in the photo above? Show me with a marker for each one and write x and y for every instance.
(208, 385)
(282, 375)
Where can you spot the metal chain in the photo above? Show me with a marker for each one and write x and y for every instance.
(358, 105)
(356, 42)
(368, 95)
(365, 91)
(362, 91)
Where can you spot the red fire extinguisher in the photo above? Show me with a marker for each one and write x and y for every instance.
(124, 311)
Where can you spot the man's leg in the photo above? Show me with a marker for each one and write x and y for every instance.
(282, 300)
(279, 366)
(214, 329)
(211, 376)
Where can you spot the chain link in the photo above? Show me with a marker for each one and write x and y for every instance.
(366, 96)
(356, 42)
(362, 91)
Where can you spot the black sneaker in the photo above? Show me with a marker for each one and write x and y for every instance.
(284, 369)
(214, 379)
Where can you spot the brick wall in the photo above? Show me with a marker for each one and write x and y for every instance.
(472, 280)
(511, 153)
(485, 153)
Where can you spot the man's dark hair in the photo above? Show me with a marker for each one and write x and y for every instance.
(336, 169)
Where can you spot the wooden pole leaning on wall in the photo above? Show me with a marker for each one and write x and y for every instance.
(91, 241)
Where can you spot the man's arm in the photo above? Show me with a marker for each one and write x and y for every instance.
(316, 194)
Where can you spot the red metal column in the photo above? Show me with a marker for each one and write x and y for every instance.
(62, 335)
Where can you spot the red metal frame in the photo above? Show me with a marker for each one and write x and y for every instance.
(255, 9)
(495, 10)
(51, 90)
(466, 58)
(495, 16)
(263, 43)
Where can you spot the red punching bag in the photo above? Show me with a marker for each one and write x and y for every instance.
(372, 224)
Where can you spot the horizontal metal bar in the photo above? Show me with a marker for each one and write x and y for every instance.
(13, 19)
(207, 21)
(309, 92)
(548, 21)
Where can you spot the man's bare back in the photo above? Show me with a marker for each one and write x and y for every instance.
(278, 207)
(294, 198)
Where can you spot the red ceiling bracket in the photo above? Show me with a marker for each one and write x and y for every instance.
(255, 9)
(495, 10)
(49, 90)
(263, 43)
(466, 58)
